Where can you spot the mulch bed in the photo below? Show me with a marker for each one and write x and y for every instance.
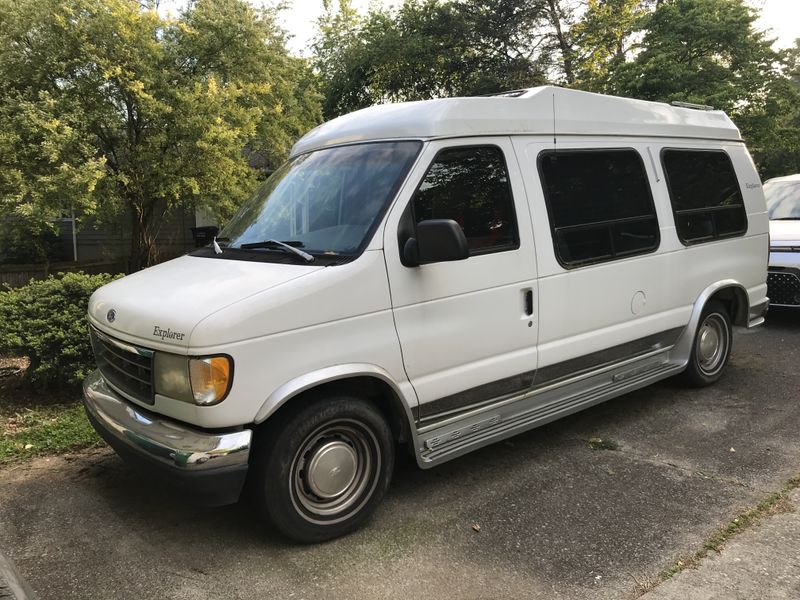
(16, 393)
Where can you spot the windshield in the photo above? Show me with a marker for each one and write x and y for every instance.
(783, 199)
(327, 202)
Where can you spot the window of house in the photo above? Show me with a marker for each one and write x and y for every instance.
(599, 203)
(470, 185)
(706, 198)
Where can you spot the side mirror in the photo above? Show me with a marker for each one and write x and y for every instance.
(437, 240)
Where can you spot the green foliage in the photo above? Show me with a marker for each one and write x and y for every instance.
(428, 49)
(604, 40)
(707, 51)
(109, 108)
(45, 320)
(27, 243)
(45, 430)
(703, 51)
(772, 129)
(598, 443)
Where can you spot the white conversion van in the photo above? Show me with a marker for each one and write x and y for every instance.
(432, 277)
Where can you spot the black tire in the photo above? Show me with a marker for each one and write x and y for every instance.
(321, 469)
(711, 348)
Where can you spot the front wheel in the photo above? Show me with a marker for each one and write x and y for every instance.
(321, 470)
(711, 348)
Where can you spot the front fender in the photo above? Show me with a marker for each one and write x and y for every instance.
(403, 391)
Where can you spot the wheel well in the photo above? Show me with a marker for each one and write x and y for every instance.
(373, 389)
(735, 300)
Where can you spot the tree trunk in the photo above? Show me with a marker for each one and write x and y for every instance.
(563, 42)
(143, 236)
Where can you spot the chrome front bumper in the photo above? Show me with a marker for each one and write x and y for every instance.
(196, 460)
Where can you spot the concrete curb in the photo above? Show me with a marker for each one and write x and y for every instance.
(11, 585)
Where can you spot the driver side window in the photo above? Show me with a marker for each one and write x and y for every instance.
(470, 185)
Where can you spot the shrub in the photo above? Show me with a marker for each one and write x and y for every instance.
(45, 320)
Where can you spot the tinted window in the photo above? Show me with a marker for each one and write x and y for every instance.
(599, 204)
(705, 195)
(470, 185)
(783, 199)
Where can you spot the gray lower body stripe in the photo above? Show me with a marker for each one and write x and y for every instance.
(497, 391)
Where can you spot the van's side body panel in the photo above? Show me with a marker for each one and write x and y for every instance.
(595, 307)
(590, 308)
(609, 328)
(463, 324)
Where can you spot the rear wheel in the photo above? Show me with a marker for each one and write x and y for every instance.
(321, 470)
(712, 346)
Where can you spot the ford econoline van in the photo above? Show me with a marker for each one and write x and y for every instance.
(431, 277)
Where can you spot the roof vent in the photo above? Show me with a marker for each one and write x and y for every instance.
(691, 105)
(508, 94)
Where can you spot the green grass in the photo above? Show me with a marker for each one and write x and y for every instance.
(46, 430)
(775, 503)
(598, 443)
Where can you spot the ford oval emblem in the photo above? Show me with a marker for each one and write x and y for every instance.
(111, 315)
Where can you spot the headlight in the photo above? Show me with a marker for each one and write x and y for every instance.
(202, 381)
(171, 376)
(211, 379)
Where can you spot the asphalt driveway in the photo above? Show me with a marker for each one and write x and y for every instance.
(557, 519)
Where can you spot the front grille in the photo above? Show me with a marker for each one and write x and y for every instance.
(127, 368)
(783, 288)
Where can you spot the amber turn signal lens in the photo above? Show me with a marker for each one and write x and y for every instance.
(211, 379)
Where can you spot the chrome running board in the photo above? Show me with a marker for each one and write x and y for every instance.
(437, 443)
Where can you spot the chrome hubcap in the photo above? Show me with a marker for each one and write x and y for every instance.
(334, 471)
(331, 469)
(712, 344)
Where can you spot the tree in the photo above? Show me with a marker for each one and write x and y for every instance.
(772, 128)
(604, 40)
(702, 51)
(428, 49)
(107, 107)
(560, 16)
(707, 52)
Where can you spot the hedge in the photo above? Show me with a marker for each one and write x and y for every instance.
(45, 320)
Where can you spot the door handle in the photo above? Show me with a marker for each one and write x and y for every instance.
(528, 302)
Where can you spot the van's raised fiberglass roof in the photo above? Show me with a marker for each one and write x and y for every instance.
(542, 110)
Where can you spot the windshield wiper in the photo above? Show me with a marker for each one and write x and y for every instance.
(276, 244)
(786, 219)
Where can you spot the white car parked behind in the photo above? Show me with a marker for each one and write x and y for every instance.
(783, 203)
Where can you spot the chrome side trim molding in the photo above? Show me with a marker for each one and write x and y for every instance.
(544, 389)
(513, 388)
(483, 394)
(450, 440)
(607, 357)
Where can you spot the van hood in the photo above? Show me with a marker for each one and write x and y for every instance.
(160, 306)
(784, 233)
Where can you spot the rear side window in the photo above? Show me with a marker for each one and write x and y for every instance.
(470, 186)
(705, 195)
(599, 203)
